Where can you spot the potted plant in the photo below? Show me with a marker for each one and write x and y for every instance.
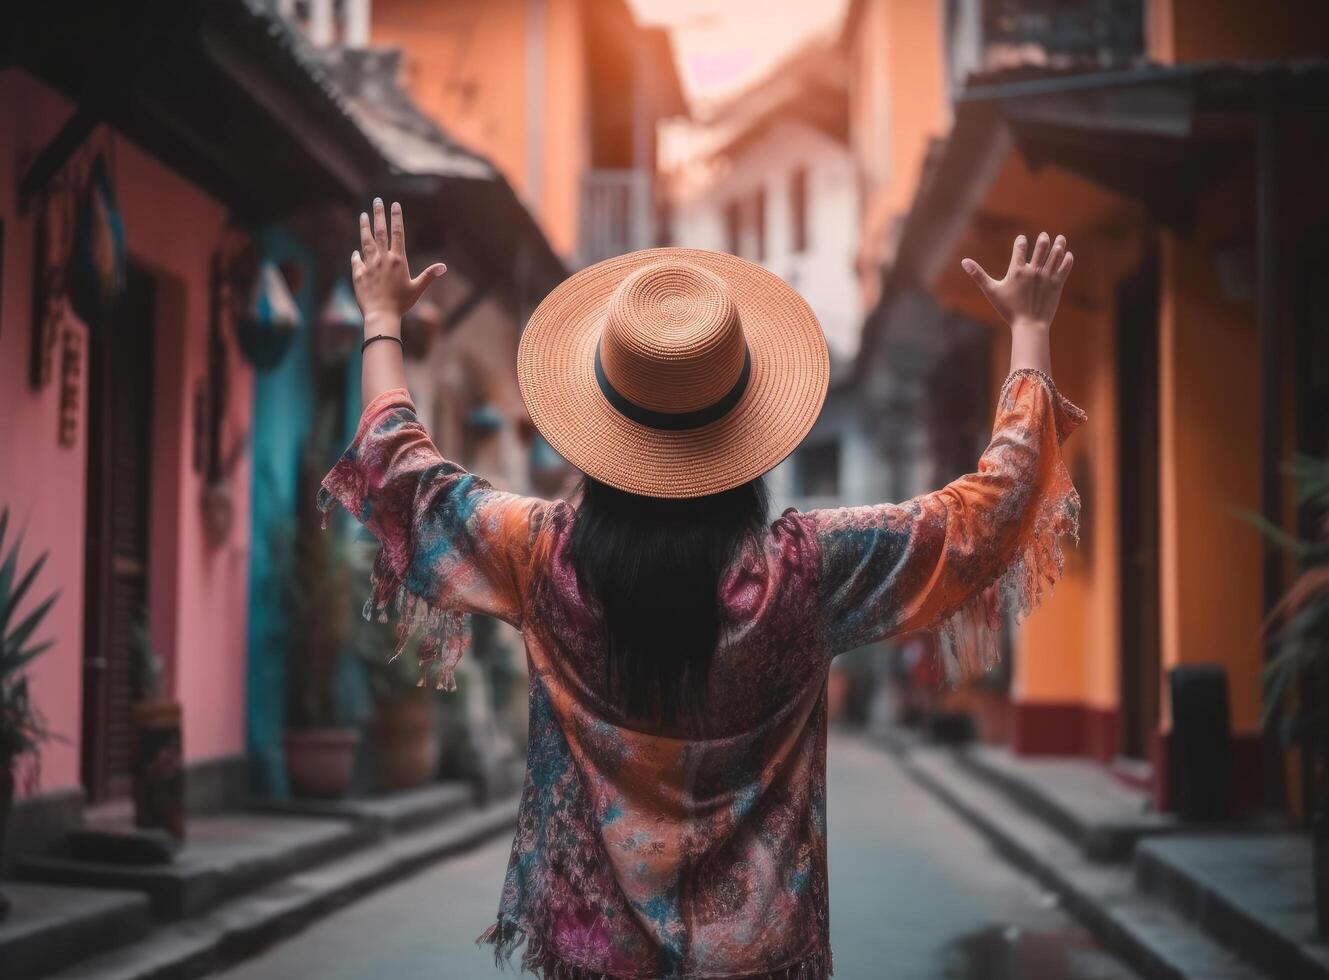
(22, 728)
(403, 731)
(158, 758)
(1296, 678)
(313, 568)
(404, 728)
(315, 583)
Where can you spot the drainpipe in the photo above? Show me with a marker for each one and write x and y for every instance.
(1271, 391)
(355, 23)
(321, 32)
(641, 232)
(536, 15)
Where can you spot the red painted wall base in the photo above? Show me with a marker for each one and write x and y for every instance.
(1065, 728)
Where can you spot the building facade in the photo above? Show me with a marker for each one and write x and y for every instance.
(129, 419)
(1169, 154)
(562, 95)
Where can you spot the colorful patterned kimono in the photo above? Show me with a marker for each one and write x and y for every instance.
(701, 852)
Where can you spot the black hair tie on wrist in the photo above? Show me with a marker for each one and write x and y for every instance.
(383, 336)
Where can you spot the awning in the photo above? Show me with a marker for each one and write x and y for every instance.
(227, 94)
(1154, 134)
(220, 90)
(455, 194)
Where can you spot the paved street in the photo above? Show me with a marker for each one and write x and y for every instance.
(915, 895)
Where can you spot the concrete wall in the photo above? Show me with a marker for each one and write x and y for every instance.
(197, 593)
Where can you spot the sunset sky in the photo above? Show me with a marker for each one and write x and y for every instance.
(724, 44)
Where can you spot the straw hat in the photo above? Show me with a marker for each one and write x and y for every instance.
(673, 372)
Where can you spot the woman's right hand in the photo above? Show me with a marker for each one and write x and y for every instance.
(1029, 293)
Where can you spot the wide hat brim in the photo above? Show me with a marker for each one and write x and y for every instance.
(790, 374)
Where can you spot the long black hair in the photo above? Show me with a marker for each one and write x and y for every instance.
(653, 566)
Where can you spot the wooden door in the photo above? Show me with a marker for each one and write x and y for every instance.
(1137, 410)
(120, 385)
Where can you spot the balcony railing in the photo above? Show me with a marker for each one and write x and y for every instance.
(616, 214)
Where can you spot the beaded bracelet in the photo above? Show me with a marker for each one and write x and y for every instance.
(382, 336)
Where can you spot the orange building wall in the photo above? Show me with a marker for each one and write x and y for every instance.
(898, 104)
(1210, 447)
(920, 109)
(565, 155)
(1179, 31)
(465, 64)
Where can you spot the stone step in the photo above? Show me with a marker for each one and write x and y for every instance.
(389, 814)
(1079, 799)
(240, 928)
(224, 856)
(1254, 891)
(49, 926)
(1143, 930)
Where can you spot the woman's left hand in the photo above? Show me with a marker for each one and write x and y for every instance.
(380, 274)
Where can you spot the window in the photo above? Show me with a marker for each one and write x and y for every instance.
(817, 470)
(759, 224)
(798, 209)
(733, 221)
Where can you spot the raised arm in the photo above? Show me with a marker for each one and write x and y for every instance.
(385, 291)
(986, 545)
(451, 543)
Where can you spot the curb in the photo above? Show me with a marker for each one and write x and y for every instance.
(245, 926)
(1143, 931)
(1103, 841)
(1213, 909)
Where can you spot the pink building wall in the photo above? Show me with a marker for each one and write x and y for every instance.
(197, 593)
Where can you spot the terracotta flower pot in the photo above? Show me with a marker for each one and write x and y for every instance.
(405, 737)
(158, 767)
(320, 761)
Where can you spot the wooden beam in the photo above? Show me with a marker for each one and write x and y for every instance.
(56, 153)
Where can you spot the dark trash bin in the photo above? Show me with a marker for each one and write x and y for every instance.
(1200, 764)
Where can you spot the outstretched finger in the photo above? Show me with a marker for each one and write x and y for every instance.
(421, 282)
(1054, 257)
(979, 275)
(357, 264)
(380, 224)
(398, 230)
(1064, 269)
(1017, 253)
(366, 236)
(1040, 250)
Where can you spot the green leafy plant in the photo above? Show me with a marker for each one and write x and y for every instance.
(1296, 678)
(315, 587)
(1298, 625)
(313, 570)
(23, 729)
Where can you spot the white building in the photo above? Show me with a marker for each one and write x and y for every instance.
(772, 180)
(777, 186)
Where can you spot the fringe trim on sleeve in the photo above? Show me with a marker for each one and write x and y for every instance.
(969, 638)
(445, 634)
(508, 937)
